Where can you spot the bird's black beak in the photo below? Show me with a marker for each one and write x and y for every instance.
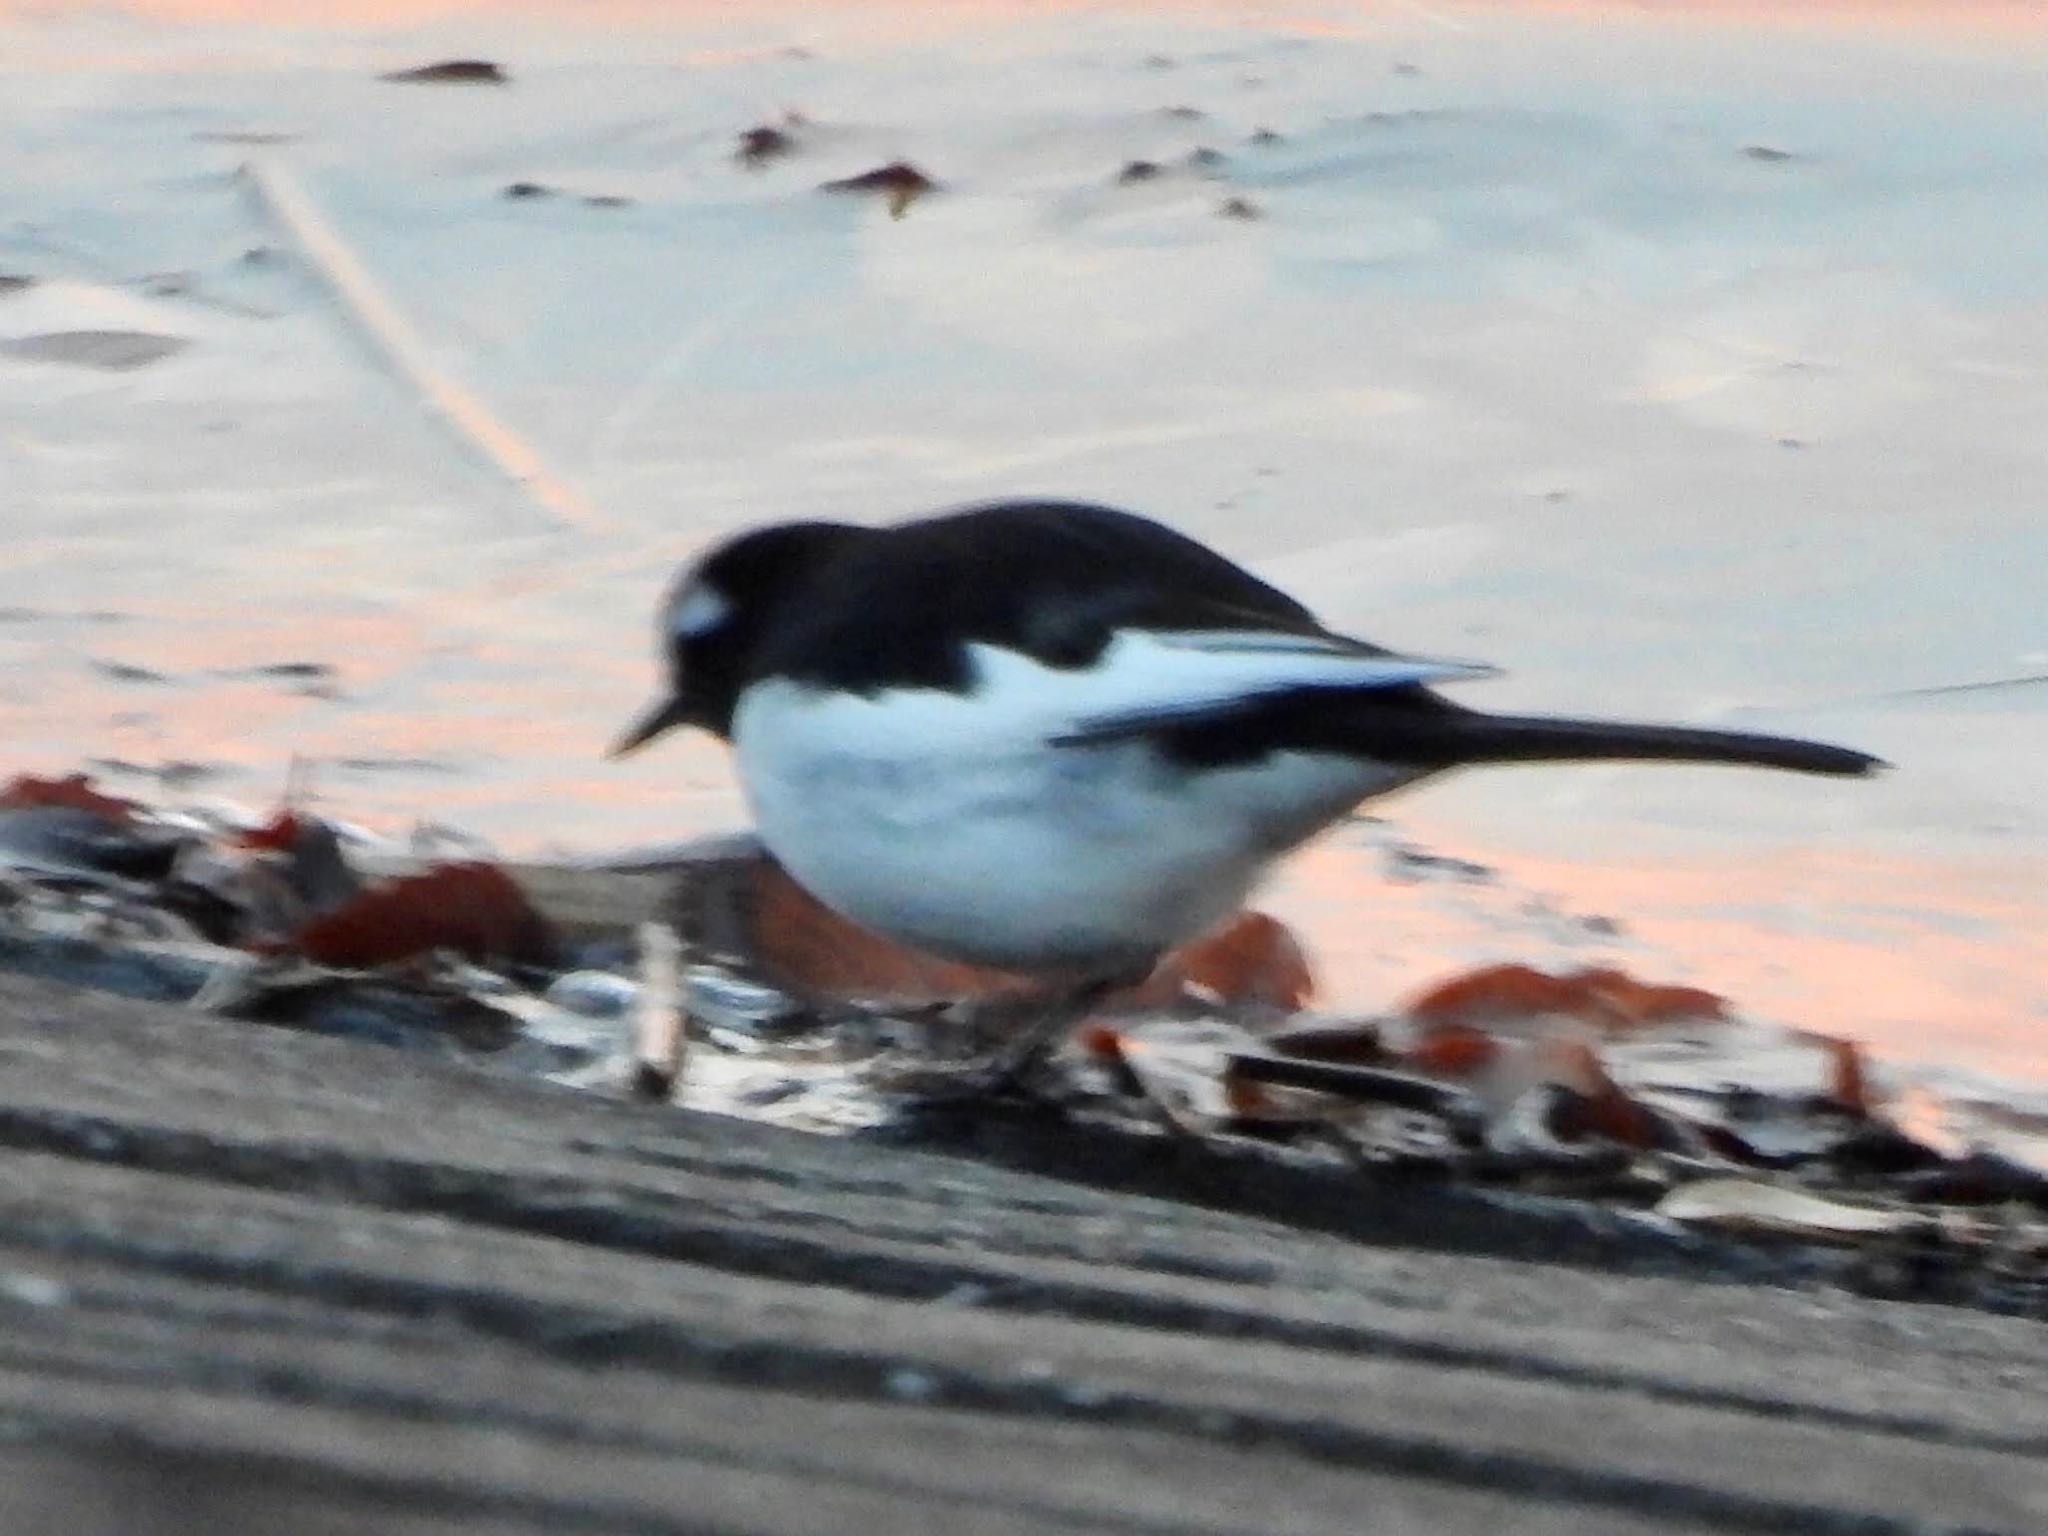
(666, 715)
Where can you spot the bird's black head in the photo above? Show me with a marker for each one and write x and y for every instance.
(711, 623)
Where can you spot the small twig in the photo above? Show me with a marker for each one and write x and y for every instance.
(1372, 1085)
(1935, 690)
(658, 1016)
(393, 336)
(1898, 695)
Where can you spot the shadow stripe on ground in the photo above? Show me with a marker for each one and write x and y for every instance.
(883, 1264)
(298, 1224)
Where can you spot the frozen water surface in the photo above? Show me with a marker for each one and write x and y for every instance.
(1687, 367)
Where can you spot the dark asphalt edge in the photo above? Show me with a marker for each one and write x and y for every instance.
(578, 1212)
(593, 1337)
(859, 1376)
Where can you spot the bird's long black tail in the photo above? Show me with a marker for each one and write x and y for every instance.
(1467, 736)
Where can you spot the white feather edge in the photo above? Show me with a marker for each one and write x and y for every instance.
(1019, 702)
(1153, 674)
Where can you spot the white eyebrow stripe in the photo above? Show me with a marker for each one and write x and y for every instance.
(697, 612)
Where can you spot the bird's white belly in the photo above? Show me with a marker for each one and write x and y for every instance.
(1012, 853)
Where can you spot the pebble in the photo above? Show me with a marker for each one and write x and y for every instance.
(911, 1386)
(34, 1290)
(594, 994)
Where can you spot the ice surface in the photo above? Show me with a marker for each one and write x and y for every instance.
(1686, 369)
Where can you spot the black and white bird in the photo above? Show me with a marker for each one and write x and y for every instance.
(1061, 739)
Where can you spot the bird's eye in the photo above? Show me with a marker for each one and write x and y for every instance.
(696, 611)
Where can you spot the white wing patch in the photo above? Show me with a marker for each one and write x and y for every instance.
(697, 610)
(1144, 677)
(1018, 705)
(1249, 642)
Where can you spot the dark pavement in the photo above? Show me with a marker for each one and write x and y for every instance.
(255, 1280)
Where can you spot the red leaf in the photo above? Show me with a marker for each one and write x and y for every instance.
(1628, 1001)
(1254, 1102)
(1492, 992)
(1100, 1041)
(802, 943)
(1598, 1107)
(1849, 1085)
(1607, 997)
(279, 835)
(73, 792)
(1453, 1050)
(1252, 958)
(474, 909)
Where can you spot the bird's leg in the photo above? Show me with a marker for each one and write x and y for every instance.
(1030, 1027)
(1050, 1022)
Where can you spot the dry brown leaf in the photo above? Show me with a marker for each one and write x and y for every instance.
(759, 145)
(1849, 1081)
(473, 909)
(801, 943)
(1453, 1050)
(1606, 997)
(1252, 958)
(278, 835)
(72, 792)
(1597, 1106)
(451, 72)
(899, 182)
(1746, 1205)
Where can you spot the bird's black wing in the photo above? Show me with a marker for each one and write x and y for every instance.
(1054, 581)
